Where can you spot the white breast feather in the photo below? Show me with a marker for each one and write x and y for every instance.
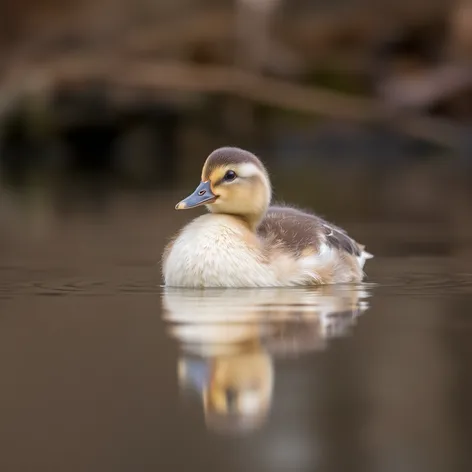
(211, 252)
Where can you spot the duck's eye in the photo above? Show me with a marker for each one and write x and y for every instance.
(229, 176)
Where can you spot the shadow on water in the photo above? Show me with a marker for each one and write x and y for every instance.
(228, 341)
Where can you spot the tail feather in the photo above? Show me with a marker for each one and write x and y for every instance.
(363, 257)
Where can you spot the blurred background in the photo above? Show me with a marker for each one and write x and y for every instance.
(362, 112)
(374, 99)
(137, 88)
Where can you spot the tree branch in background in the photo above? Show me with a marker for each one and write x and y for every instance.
(157, 77)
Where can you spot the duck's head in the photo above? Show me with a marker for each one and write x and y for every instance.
(234, 181)
(239, 392)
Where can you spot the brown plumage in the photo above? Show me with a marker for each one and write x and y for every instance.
(296, 231)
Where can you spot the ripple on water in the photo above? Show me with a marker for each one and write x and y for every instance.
(86, 287)
(144, 280)
(427, 284)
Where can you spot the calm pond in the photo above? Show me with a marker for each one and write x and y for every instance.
(104, 370)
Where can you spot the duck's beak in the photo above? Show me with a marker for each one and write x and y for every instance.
(202, 195)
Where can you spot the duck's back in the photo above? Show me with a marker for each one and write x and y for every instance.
(308, 236)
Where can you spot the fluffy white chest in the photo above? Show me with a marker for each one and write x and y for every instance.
(212, 252)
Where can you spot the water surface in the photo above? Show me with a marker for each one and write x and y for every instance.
(104, 370)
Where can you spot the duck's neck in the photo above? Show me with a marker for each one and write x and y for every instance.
(251, 211)
(251, 220)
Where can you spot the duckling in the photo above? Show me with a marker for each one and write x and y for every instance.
(245, 242)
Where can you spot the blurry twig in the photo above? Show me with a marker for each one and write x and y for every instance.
(205, 26)
(178, 76)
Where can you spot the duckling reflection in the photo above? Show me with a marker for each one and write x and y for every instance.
(236, 389)
(229, 338)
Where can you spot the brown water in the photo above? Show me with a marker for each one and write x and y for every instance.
(103, 370)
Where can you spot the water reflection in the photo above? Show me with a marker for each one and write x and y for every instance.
(229, 339)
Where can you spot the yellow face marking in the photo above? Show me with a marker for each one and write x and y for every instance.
(218, 174)
(205, 175)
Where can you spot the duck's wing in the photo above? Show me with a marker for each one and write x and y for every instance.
(298, 231)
